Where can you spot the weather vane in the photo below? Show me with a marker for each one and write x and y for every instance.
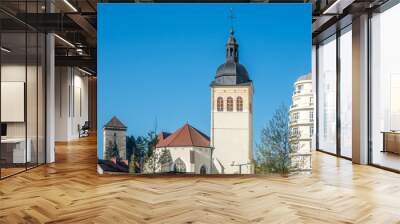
(231, 17)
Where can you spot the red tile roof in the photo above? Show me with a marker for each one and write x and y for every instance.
(115, 123)
(185, 136)
(162, 136)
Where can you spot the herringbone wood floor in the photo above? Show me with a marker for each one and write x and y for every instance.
(70, 191)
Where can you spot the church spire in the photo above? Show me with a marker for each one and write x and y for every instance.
(232, 48)
(232, 17)
(231, 72)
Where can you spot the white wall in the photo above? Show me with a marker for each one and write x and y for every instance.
(15, 73)
(33, 126)
(202, 157)
(231, 131)
(71, 102)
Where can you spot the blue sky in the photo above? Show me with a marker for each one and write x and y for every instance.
(156, 61)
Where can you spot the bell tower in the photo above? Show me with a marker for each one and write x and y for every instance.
(232, 115)
(232, 53)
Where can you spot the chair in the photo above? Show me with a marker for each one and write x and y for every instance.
(84, 130)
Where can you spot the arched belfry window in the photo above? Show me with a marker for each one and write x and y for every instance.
(229, 104)
(220, 104)
(179, 166)
(239, 103)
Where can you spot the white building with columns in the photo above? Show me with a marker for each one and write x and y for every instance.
(301, 121)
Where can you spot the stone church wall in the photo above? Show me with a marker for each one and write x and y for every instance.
(120, 137)
(202, 156)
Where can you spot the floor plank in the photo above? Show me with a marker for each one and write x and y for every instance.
(70, 191)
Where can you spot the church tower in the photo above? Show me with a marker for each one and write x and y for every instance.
(232, 115)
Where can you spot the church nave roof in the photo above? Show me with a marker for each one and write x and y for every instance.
(185, 136)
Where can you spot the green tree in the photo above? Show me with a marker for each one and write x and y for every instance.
(276, 144)
(151, 142)
(152, 163)
(130, 146)
(139, 153)
(159, 160)
(132, 164)
(152, 158)
(165, 160)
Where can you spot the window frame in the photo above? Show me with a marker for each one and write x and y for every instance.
(239, 104)
(220, 104)
(335, 36)
(229, 104)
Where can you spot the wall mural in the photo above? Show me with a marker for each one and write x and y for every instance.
(177, 96)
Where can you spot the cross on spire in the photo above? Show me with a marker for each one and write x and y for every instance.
(231, 17)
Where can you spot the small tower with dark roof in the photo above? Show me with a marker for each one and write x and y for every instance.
(232, 114)
(114, 134)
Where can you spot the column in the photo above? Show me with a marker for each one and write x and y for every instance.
(360, 89)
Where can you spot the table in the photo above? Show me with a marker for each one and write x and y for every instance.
(13, 150)
(391, 141)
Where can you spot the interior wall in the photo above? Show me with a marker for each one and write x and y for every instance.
(61, 103)
(16, 72)
(31, 126)
(71, 102)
